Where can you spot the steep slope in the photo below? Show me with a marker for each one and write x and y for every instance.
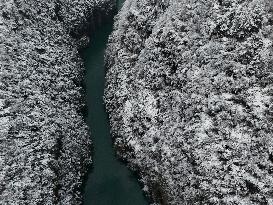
(44, 143)
(189, 92)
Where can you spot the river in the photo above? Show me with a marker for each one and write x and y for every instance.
(109, 180)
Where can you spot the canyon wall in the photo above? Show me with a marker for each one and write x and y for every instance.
(44, 141)
(189, 94)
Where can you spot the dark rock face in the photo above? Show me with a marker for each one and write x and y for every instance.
(189, 94)
(45, 147)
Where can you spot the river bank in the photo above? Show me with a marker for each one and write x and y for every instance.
(45, 144)
(189, 95)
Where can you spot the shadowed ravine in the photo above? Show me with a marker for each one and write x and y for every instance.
(109, 180)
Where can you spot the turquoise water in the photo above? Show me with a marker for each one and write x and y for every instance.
(109, 181)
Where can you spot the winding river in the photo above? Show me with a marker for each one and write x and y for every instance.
(109, 180)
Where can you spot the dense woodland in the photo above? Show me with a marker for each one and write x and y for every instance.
(44, 141)
(189, 92)
(189, 95)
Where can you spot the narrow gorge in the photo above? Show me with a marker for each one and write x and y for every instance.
(167, 102)
(109, 181)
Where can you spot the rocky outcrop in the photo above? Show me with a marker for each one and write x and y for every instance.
(189, 92)
(44, 142)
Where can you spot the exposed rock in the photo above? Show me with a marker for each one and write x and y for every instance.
(44, 142)
(189, 92)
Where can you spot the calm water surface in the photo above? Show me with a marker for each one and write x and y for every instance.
(109, 181)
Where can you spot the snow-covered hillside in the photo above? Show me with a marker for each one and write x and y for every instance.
(44, 142)
(189, 92)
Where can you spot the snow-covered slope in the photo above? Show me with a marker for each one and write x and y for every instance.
(44, 143)
(189, 92)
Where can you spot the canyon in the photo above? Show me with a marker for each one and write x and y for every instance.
(186, 84)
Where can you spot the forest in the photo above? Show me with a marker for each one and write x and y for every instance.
(189, 92)
(189, 88)
(44, 141)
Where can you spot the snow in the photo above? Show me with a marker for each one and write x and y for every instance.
(148, 103)
(195, 100)
(258, 100)
(2, 103)
(45, 143)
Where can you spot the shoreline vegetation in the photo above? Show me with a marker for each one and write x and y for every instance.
(189, 95)
(45, 143)
(188, 90)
